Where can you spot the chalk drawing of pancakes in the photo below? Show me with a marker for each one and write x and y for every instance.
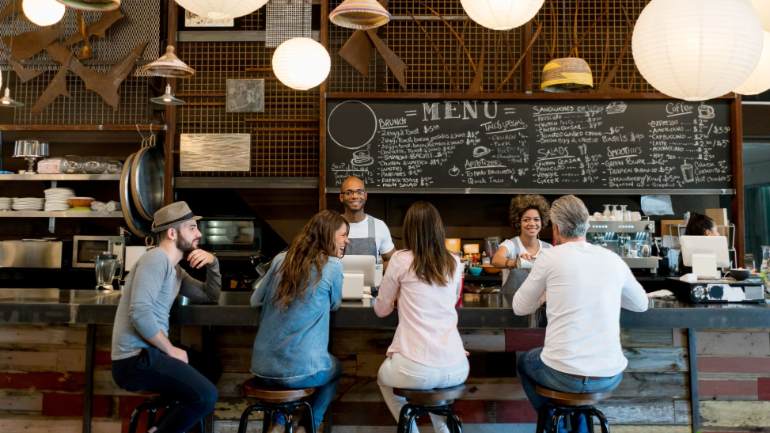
(361, 158)
(480, 151)
(351, 124)
(454, 171)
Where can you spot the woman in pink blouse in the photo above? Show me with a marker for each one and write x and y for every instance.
(424, 280)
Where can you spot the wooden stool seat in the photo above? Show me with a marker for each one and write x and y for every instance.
(571, 399)
(274, 395)
(431, 397)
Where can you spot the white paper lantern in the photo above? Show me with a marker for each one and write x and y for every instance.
(759, 80)
(763, 11)
(697, 49)
(221, 9)
(301, 63)
(501, 14)
(43, 12)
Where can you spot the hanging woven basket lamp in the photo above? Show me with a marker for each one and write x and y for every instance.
(566, 74)
(360, 14)
(92, 5)
(168, 65)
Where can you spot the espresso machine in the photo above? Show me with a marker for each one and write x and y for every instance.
(631, 240)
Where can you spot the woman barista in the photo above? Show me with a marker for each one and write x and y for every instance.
(528, 214)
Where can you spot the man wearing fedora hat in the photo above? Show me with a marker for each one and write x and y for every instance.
(143, 357)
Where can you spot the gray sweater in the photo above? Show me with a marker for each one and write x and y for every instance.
(147, 297)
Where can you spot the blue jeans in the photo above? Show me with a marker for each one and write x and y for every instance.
(154, 371)
(325, 383)
(532, 371)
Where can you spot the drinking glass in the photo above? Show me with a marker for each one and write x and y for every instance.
(749, 263)
(105, 267)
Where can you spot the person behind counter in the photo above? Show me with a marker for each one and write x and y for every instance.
(143, 358)
(368, 235)
(528, 214)
(701, 225)
(297, 294)
(586, 286)
(425, 281)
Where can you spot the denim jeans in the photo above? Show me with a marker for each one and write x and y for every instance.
(400, 372)
(532, 371)
(325, 383)
(154, 371)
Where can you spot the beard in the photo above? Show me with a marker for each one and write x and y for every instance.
(184, 245)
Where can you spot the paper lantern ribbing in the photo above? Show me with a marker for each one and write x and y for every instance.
(697, 49)
(301, 63)
(501, 14)
(221, 9)
(43, 12)
(759, 80)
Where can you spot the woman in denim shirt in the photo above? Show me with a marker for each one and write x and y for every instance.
(297, 294)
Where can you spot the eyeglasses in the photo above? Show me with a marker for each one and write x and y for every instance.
(352, 192)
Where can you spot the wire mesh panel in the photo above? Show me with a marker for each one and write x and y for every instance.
(287, 19)
(285, 136)
(443, 48)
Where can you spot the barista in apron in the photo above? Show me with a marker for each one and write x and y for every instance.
(368, 235)
(364, 246)
(528, 214)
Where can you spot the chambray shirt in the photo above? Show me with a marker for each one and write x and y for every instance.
(293, 343)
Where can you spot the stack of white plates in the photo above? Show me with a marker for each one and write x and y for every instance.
(56, 198)
(27, 203)
(5, 203)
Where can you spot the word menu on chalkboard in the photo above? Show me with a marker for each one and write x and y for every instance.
(540, 145)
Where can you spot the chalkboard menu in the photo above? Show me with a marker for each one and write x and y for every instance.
(541, 145)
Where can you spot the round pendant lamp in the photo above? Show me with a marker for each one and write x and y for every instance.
(696, 49)
(762, 8)
(360, 14)
(221, 9)
(566, 74)
(301, 63)
(92, 5)
(501, 14)
(43, 12)
(168, 65)
(759, 80)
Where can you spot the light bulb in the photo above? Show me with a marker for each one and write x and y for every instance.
(43, 12)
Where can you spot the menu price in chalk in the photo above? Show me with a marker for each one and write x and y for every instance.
(400, 144)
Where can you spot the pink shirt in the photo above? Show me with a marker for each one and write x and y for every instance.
(427, 318)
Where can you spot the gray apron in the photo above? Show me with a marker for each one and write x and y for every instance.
(364, 246)
(516, 277)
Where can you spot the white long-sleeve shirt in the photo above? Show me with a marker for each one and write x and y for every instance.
(585, 287)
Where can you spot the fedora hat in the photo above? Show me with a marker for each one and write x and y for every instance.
(171, 214)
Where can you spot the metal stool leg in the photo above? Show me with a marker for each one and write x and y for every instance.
(602, 420)
(403, 427)
(456, 424)
(542, 417)
(267, 418)
(244, 422)
(309, 423)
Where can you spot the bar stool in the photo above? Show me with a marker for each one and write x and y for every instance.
(422, 402)
(571, 406)
(271, 401)
(151, 405)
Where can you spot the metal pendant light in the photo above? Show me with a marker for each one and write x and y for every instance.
(566, 74)
(168, 65)
(7, 102)
(360, 14)
(167, 98)
(92, 5)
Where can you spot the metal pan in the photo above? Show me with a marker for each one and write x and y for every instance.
(138, 226)
(147, 181)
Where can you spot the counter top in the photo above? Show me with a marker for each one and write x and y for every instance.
(478, 312)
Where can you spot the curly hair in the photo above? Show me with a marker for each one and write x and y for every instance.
(523, 203)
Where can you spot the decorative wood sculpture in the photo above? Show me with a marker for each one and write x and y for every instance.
(105, 85)
(57, 87)
(28, 44)
(98, 29)
(10, 9)
(395, 64)
(23, 73)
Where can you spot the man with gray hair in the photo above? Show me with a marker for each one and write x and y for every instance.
(585, 287)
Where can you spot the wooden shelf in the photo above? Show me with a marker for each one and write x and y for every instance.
(58, 177)
(58, 214)
(107, 127)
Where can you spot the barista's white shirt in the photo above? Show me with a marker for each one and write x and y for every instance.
(585, 286)
(381, 233)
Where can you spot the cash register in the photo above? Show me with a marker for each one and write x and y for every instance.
(706, 254)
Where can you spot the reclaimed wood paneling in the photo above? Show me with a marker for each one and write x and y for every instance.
(25, 336)
(54, 425)
(646, 337)
(21, 401)
(727, 389)
(653, 359)
(741, 414)
(736, 364)
(763, 388)
(734, 343)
